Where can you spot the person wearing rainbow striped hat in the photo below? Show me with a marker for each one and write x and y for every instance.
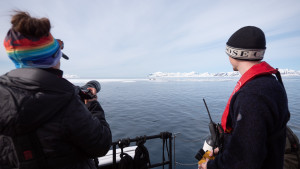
(43, 121)
(28, 51)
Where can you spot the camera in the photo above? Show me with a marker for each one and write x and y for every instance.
(85, 93)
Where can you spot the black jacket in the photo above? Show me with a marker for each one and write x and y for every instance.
(69, 132)
(258, 115)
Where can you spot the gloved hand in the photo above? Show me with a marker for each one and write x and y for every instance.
(208, 155)
(94, 92)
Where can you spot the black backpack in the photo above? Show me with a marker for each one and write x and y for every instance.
(292, 150)
(141, 158)
(126, 161)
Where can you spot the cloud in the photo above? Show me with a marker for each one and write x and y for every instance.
(133, 38)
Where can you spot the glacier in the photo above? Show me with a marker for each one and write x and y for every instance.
(178, 76)
(152, 76)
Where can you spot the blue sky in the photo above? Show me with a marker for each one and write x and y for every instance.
(132, 38)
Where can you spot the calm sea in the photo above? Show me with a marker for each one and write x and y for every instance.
(138, 107)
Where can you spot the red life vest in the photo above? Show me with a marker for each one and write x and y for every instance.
(262, 68)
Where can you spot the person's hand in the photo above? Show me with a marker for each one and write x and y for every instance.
(94, 92)
(203, 165)
(216, 151)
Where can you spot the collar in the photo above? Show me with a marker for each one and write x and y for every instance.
(56, 72)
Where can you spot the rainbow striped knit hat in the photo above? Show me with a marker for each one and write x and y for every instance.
(32, 52)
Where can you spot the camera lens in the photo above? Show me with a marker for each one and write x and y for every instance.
(93, 84)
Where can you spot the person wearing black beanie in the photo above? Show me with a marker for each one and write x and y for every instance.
(254, 120)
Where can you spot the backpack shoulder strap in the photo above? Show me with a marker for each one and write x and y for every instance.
(29, 149)
(278, 76)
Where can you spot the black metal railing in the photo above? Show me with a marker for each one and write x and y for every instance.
(165, 136)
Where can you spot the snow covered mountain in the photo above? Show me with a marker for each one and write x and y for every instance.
(284, 72)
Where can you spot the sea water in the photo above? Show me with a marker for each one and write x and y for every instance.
(138, 107)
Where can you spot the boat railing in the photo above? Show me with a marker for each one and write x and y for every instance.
(166, 141)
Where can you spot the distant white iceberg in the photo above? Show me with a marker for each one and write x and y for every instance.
(83, 81)
(67, 76)
(192, 75)
(289, 72)
(152, 76)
